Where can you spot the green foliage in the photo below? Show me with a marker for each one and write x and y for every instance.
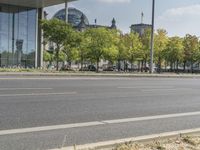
(95, 44)
(100, 41)
(174, 50)
(58, 32)
(47, 57)
(191, 48)
(134, 47)
(146, 38)
(111, 52)
(61, 57)
(160, 44)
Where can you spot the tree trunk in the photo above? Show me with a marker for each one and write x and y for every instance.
(139, 66)
(145, 65)
(142, 66)
(159, 65)
(119, 65)
(131, 67)
(184, 66)
(97, 61)
(57, 58)
(174, 67)
(177, 63)
(171, 66)
(192, 69)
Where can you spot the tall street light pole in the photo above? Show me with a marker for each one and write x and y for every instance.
(66, 11)
(152, 37)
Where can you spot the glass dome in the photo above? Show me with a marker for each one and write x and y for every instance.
(74, 16)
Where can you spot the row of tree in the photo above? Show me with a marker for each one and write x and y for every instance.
(95, 44)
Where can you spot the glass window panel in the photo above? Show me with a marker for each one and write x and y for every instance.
(17, 36)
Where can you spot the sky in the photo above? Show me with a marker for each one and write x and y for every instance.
(178, 17)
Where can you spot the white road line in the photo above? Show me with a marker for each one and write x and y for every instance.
(147, 87)
(72, 78)
(37, 94)
(168, 90)
(48, 128)
(95, 123)
(145, 138)
(151, 117)
(11, 89)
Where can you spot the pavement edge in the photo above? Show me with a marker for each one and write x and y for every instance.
(146, 138)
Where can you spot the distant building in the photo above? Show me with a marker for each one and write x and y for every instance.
(79, 20)
(140, 28)
(74, 16)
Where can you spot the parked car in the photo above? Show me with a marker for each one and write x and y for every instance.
(89, 68)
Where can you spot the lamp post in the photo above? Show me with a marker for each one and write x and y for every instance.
(66, 11)
(152, 37)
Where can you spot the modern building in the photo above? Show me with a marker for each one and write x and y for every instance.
(20, 34)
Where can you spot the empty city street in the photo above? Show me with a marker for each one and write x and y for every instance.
(51, 112)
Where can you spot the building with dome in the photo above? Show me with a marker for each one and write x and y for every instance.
(74, 16)
(79, 20)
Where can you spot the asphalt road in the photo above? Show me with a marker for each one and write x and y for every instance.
(87, 110)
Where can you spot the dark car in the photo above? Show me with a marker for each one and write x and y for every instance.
(89, 68)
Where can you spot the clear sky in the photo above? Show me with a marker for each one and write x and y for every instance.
(178, 17)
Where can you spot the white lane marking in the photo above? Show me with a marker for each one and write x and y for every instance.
(37, 94)
(95, 123)
(167, 90)
(73, 78)
(112, 143)
(152, 117)
(48, 128)
(11, 89)
(147, 87)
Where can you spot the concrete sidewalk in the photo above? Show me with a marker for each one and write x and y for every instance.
(92, 74)
(110, 145)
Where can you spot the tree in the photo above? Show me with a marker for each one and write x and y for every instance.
(134, 47)
(191, 49)
(160, 45)
(83, 48)
(99, 41)
(58, 32)
(111, 52)
(146, 38)
(122, 51)
(174, 51)
(71, 45)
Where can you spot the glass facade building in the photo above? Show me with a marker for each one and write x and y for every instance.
(18, 42)
(20, 33)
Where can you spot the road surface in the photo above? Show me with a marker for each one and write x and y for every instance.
(42, 112)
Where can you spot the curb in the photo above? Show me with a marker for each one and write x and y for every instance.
(97, 75)
(147, 138)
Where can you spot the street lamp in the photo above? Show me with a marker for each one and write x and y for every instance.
(152, 37)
